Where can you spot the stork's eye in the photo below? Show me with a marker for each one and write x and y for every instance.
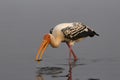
(51, 30)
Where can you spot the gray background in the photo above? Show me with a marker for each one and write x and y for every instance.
(24, 22)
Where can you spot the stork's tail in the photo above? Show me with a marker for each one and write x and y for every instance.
(96, 33)
(93, 33)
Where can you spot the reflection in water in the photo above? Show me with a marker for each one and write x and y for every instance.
(56, 72)
(71, 66)
(49, 70)
(70, 71)
(53, 72)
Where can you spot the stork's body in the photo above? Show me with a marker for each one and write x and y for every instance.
(65, 32)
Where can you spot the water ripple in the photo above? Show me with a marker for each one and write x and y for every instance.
(49, 70)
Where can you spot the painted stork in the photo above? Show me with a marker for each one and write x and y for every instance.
(69, 33)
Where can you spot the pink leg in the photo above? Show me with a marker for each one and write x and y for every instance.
(74, 55)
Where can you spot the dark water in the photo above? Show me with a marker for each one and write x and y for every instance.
(24, 22)
(83, 69)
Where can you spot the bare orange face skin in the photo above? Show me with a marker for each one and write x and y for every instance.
(44, 45)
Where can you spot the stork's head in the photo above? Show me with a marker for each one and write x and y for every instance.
(41, 50)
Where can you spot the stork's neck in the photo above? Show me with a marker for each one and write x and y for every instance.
(55, 41)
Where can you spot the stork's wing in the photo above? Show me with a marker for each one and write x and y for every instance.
(76, 31)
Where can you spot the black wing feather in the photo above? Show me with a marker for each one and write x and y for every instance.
(76, 31)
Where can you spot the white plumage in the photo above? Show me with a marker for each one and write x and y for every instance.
(65, 32)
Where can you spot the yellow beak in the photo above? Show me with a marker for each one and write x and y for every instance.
(42, 49)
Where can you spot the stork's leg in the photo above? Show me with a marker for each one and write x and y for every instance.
(71, 51)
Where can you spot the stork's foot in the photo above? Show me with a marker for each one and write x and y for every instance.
(75, 59)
